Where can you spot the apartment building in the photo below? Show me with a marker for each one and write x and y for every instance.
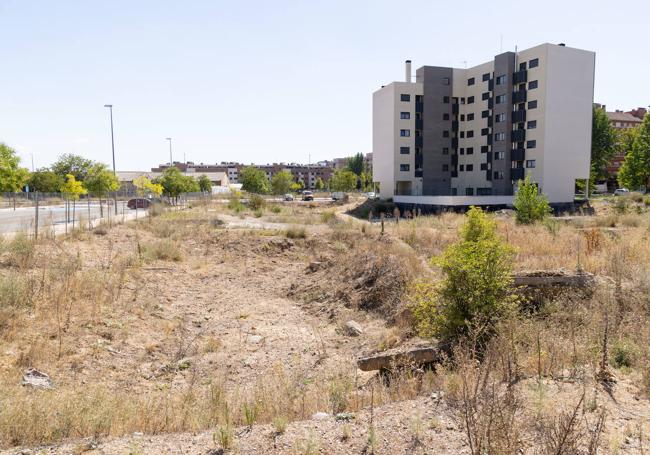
(621, 120)
(467, 136)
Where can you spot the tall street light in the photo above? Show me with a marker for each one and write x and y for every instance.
(110, 107)
(171, 161)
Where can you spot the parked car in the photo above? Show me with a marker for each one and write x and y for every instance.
(338, 195)
(621, 191)
(288, 197)
(371, 195)
(307, 196)
(138, 202)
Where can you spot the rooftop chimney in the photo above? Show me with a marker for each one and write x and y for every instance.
(408, 71)
(562, 44)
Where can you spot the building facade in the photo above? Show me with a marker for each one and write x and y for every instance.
(467, 136)
(621, 120)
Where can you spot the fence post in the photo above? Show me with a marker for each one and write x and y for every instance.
(90, 226)
(74, 206)
(65, 210)
(36, 218)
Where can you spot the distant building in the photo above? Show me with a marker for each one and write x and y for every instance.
(621, 121)
(126, 178)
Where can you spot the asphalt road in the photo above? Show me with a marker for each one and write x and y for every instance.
(22, 219)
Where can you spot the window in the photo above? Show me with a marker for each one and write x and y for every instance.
(501, 80)
(500, 137)
(461, 168)
(483, 191)
(501, 99)
(534, 63)
(445, 81)
(470, 81)
(404, 167)
(469, 191)
(404, 150)
(470, 100)
(530, 163)
(485, 114)
(499, 155)
(486, 77)
(498, 175)
(470, 150)
(485, 96)
(470, 133)
(405, 115)
(454, 191)
(485, 131)
(470, 117)
(405, 97)
(462, 134)
(484, 166)
(445, 99)
(445, 167)
(445, 133)
(522, 66)
(445, 116)
(531, 144)
(469, 167)
(462, 117)
(462, 100)
(445, 151)
(405, 133)
(532, 124)
(532, 85)
(499, 118)
(532, 104)
(484, 148)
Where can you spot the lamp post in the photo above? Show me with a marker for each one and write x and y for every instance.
(110, 107)
(171, 161)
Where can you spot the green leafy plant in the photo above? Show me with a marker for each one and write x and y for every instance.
(530, 204)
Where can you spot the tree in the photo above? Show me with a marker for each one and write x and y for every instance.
(319, 185)
(281, 182)
(205, 185)
(355, 164)
(298, 186)
(76, 165)
(530, 204)
(635, 170)
(603, 143)
(45, 181)
(172, 182)
(476, 291)
(12, 176)
(254, 180)
(100, 180)
(72, 188)
(143, 186)
(190, 185)
(343, 180)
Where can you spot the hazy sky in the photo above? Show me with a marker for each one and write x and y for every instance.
(265, 81)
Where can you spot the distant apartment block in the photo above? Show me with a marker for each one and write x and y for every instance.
(460, 136)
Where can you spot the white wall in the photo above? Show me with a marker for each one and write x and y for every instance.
(383, 140)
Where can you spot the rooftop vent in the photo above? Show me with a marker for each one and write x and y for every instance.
(562, 44)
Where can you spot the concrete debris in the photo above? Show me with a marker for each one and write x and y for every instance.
(320, 416)
(37, 379)
(412, 357)
(353, 328)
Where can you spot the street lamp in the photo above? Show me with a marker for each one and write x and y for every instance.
(110, 107)
(171, 162)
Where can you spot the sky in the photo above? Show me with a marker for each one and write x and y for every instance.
(265, 81)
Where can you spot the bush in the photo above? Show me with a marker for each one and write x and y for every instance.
(476, 290)
(165, 250)
(530, 204)
(296, 232)
(256, 202)
(327, 216)
(21, 251)
(624, 354)
(14, 291)
(235, 204)
(621, 205)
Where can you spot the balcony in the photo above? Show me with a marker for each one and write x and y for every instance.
(488, 156)
(491, 84)
(418, 123)
(419, 107)
(520, 77)
(490, 103)
(454, 125)
(418, 173)
(490, 121)
(418, 141)
(517, 173)
(454, 173)
(518, 155)
(518, 136)
(454, 159)
(490, 139)
(519, 96)
(454, 109)
(518, 116)
(454, 143)
(488, 175)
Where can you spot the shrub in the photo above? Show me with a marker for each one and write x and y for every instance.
(276, 209)
(258, 213)
(475, 292)
(256, 202)
(165, 250)
(621, 205)
(530, 204)
(235, 204)
(624, 353)
(14, 291)
(21, 251)
(327, 216)
(295, 232)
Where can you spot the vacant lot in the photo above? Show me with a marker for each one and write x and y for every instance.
(224, 326)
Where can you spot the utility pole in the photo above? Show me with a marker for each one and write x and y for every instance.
(171, 160)
(110, 107)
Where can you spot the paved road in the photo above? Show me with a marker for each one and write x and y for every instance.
(22, 218)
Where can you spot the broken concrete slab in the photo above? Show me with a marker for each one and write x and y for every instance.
(405, 357)
(37, 379)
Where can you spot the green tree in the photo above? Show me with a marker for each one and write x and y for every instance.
(281, 182)
(76, 165)
(12, 176)
(343, 180)
(143, 186)
(205, 185)
(319, 185)
(355, 164)
(174, 183)
(530, 204)
(190, 184)
(476, 290)
(254, 180)
(298, 186)
(100, 180)
(604, 141)
(72, 188)
(635, 170)
(45, 181)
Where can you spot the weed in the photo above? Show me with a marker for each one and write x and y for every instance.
(296, 232)
(21, 251)
(225, 436)
(328, 216)
(280, 424)
(256, 202)
(165, 250)
(624, 353)
(258, 213)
